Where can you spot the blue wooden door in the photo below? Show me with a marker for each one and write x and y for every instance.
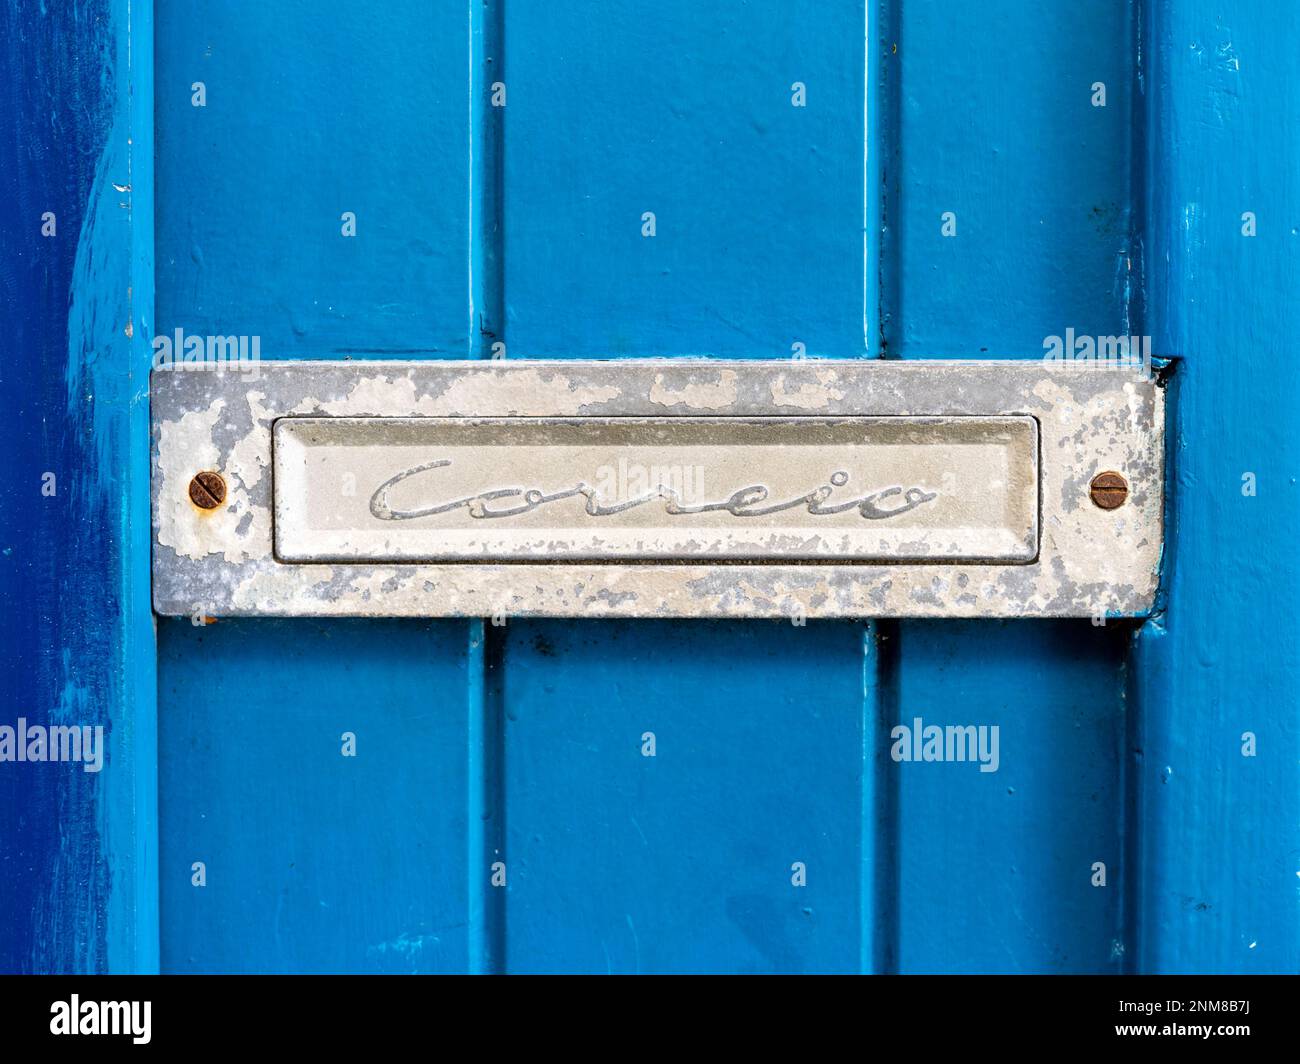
(734, 180)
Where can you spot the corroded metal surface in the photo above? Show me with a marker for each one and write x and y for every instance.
(1085, 562)
(678, 488)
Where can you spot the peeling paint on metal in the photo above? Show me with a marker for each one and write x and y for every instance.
(716, 394)
(808, 395)
(1090, 562)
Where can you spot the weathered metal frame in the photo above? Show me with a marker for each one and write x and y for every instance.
(1091, 562)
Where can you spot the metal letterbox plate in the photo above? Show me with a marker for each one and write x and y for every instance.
(664, 488)
(885, 489)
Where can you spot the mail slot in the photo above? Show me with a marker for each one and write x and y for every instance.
(694, 488)
(657, 488)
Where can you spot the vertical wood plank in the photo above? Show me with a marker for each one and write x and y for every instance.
(997, 868)
(669, 784)
(1220, 850)
(312, 111)
(315, 859)
(997, 128)
(77, 849)
(1001, 132)
(682, 862)
(685, 112)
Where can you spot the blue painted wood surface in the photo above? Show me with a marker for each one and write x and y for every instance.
(1218, 835)
(364, 869)
(614, 113)
(317, 771)
(310, 114)
(78, 850)
(775, 225)
(663, 782)
(990, 117)
(995, 869)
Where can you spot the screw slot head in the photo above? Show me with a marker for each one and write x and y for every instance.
(207, 490)
(1108, 490)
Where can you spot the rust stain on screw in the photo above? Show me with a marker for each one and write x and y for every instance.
(207, 490)
(1109, 490)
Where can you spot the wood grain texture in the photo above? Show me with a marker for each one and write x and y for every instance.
(78, 873)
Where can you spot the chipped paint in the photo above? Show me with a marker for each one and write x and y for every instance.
(1090, 562)
(716, 394)
(525, 390)
(807, 395)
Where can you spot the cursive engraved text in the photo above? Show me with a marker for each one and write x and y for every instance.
(750, 501)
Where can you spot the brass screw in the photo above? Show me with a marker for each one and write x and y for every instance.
(1109, 490)
(207, 490)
